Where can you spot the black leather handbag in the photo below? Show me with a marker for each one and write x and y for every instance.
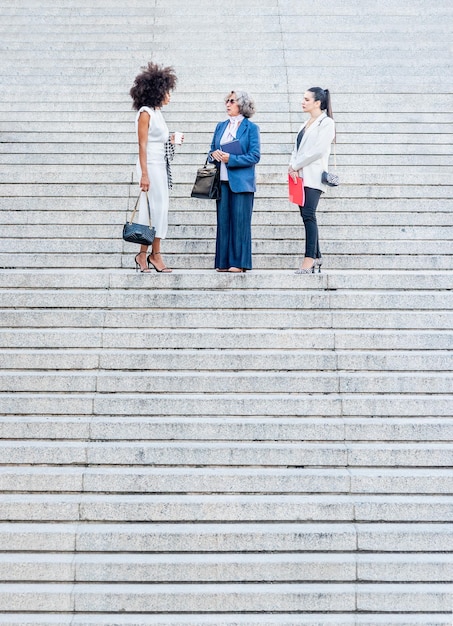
(332, 180)
(207, 182)
(139, 233)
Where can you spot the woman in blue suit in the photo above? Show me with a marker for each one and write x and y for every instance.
(236, 149)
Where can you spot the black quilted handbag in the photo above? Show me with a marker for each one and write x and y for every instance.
(330, 179)
(207, 182)
(139, 233)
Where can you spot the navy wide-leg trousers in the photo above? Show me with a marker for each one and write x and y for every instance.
(234, 229)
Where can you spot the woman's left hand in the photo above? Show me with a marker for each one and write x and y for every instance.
(172, 139)
(220, 156)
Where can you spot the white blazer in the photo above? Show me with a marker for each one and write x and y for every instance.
(312, 158)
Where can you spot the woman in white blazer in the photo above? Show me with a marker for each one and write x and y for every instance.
(309, 159)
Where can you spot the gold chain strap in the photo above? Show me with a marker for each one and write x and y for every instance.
(136, 205)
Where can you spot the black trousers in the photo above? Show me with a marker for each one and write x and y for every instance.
(308, 213)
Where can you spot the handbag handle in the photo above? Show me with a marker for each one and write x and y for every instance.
(334, 149)
(136, 205)
(335, 153)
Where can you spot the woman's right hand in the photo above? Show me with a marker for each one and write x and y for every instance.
(144, 182)
(217, 155)
(293, 174)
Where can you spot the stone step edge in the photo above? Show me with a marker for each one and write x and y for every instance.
(230, 619)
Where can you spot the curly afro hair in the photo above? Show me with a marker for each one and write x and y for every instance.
(151, 85)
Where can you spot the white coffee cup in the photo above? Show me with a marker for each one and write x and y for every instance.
(178, 138)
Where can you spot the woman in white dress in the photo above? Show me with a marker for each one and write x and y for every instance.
(150, 92)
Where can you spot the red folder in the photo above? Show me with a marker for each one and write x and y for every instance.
(296, 191)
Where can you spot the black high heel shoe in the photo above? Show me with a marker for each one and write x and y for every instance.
(138, 267)
(308, 270)
(164, 270)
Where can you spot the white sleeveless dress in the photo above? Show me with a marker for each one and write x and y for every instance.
(157, 171)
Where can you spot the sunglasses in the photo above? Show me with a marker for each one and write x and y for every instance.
(230, 100)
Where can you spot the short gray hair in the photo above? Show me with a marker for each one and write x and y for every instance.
(245, 103)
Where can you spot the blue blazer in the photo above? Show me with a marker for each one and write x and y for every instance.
(241, 167)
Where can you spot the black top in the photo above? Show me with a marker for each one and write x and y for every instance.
(299, 138)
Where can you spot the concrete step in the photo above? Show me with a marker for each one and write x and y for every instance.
(203, 129)
(192, 151)
(199, 140)
(228, 597)
(186, 164)
(265, 20)
(355, 254)
(224, 454)
(279, 81)
(228, 568)
(381, 257)
(206, 381)
(270, 110)
(251, 298)
(270, 57)
(114, 189)
(332, 210)
(233, 428)
(224, 360)
(225, 538)
(409, 405)
(261, 234)
(353, 280)
(82, 318)
(196, 339)
(226, 339)
(207, 480)
(376, 105)
(232, 619)
(71, 95)
(387, 8)
(219, 508)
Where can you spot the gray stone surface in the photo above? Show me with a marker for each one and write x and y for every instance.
(210, 538)
(225, 507)
(264, 598)
(311, 619)
(197, 448)
(150, 568)
(226, 454)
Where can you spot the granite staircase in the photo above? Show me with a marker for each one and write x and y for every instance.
(226, 450)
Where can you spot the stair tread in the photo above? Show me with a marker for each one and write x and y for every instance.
(201, 448)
